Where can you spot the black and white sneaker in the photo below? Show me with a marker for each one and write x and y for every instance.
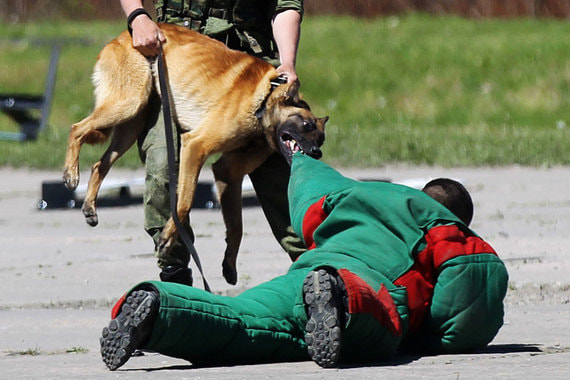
(324, 296)
(131, 329)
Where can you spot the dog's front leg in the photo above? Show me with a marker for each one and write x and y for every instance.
(192, 158)
(229, 171)
(229, 186)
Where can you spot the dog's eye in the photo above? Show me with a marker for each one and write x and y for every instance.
(309, 126)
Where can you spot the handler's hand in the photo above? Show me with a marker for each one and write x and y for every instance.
(147, 36)
(289, 72)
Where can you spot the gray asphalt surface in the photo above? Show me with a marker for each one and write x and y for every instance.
(60, 278)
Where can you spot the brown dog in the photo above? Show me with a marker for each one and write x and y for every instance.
(223, 102)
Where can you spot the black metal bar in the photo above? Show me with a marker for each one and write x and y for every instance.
(18, 106)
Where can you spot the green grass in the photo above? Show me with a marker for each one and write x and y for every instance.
(37, 351)
(29, 352)
(77, 350)
(24, 70)
(440, 90)
(416, 89)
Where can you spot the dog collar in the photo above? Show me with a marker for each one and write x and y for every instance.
(275, 82)
(281, 79)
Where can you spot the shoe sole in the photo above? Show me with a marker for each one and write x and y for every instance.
(323, 329)
(128, 330)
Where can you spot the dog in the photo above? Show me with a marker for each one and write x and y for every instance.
(223, 102)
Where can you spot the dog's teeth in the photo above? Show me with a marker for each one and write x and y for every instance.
(292, 145)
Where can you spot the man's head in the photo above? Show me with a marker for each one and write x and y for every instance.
(452, 195)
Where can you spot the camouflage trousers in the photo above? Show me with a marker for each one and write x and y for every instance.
(270, 182)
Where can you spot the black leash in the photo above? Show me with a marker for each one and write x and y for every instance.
(172, 172)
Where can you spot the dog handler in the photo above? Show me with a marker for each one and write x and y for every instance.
(266, 29)
(388, 268)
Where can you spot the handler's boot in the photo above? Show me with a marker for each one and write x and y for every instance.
(180, 275)
(130, 329)
(324, 295)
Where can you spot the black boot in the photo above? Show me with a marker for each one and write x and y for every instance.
(180, 275)
(324, 295)
(131, 328)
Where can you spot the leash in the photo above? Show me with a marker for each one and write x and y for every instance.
(172, 172)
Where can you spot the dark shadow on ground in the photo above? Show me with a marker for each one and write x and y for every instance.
(509, 348)
(400, 359)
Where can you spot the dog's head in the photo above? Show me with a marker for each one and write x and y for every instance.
(290, 126)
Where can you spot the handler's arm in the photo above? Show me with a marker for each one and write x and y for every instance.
(146, 33)
(287, 32)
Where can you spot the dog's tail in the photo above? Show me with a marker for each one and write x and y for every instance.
(123, 84)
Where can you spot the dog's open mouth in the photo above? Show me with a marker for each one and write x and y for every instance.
(289, 145)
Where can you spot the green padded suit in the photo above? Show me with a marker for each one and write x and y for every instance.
(416, 278)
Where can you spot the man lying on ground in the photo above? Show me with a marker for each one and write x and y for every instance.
(388, 268)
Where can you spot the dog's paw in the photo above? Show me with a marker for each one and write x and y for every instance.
(164, 245)
(90, 216)
(70, 179)
(167, 239)
(229, 272)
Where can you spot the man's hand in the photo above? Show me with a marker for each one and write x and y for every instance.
(147, 36)
(289, 72)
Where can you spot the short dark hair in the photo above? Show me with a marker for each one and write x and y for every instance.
(453, 195)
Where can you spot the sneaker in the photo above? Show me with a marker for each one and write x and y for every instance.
(324, 294)
(131, 329)
(180, 275)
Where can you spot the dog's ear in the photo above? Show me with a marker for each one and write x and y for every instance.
(293, 91)
(321, 121)
(288, 93)
(292, 97)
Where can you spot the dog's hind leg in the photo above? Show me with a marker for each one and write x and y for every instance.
(123, 83)
(124, 136)
(90, 131)
(94, 129)
(229, 171)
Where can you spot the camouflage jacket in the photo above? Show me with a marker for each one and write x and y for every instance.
(241, 24)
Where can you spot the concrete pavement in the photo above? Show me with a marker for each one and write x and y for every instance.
(60, 277)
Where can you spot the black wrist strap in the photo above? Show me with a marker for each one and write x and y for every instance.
(137, 12)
